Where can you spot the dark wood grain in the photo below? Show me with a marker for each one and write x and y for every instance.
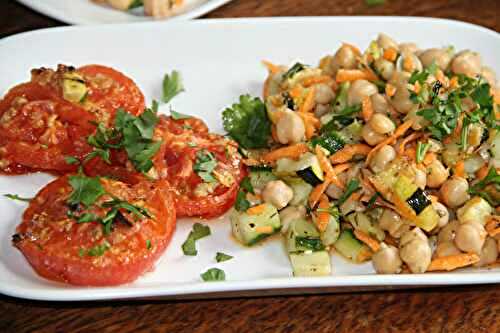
(463, 309)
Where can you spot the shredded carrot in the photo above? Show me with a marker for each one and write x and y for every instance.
(326, 166)
(403, 208)
(496, 99)
(339, 168)
(429, 158)
(400, 131)
(317, 192)
(347, 75)
(408, 64)
(308, 104)
(440, 76)
(372, 243)
(256, 210)
(405, 141)
(417, 87)
(293, 151)
(411, 153)
(316, 79)
(481, 173)
(296, 92)
(460, 169)
(322, 218)
(367, 108)
(458, 129)
(265, 229)
(356, 196)
(493, 226)
(390, 90)
(454, 82)
(272, 68)
(310, 124)
(347, 153)
(449, 263)
(390, 54)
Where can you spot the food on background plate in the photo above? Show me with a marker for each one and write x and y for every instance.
(155, 8)
(390, 155)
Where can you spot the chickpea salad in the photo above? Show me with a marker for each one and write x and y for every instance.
(390, 155)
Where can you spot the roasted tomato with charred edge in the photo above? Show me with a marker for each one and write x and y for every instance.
(188, 145)
(83, 253)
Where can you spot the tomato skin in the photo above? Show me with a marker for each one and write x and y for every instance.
(121, 92)
(52, 243)
(180, 155)
(26, 138)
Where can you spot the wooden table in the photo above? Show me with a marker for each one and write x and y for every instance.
(458, 309)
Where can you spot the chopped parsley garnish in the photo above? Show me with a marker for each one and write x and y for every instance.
(247, 123)
(86, 190)
(352, 187)
(492, 178)
(199, 231)
(71, 160)
(148, 244)
(17, 197)
(220, 257)
(342, 118)
(241, 204)
(179, 116)
(421, 151)
(330, 140)
(297, 67)
(96, 251)
(313, 244)
(246, 185)
(213, 274)
(204, 165)
(172, 86)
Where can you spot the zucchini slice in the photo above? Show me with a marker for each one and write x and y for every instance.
(250, 229)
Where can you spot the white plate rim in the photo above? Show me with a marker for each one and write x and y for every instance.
(286, 283)
(45, 9)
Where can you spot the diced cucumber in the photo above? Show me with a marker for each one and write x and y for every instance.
(250, 229)
(301, 190)
(311, 264)
(351, 248)
(303, 236)
(260, 178)
(289, 167)
(352, 132)
(74, 88)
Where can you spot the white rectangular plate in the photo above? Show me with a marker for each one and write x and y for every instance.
(88, 12)
(219, 60)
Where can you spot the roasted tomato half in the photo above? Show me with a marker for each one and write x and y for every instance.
(112, 245)
(204, 169)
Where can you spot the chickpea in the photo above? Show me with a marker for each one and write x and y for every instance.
(345, 57)
(290, 214)
(385, 42)
(379, 103)
(277, 193)
(321, 110)
(415, 251)
(420, 178)
(470, 237)
(401, 99)
(436, 174)
(290, 128)
(454, 192)
(448, 232)
(466, 62)
(382, 158)
(384, 67)
(386, 260)
(358, 90)
(441, 57)
(120, 4)
(391, 222)
(333, 191)
(410, 63)
(489, 253)
(489, 75)
(370, 136)
(323, 93)
(445, 249)
(408, 47)
(400, 78)
(381, 124)
(444, 215)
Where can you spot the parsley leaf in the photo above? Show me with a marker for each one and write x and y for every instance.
(199, 231)
(247, 122)
(179, 116)
(246, 185)
(241, 204)
(86, 190)
(352, 187)
(98, 250)
(204, 165)
(148, 244)
(71, 160)
(213, 274)
(297, 67)
(172, 86)
(220, 257)
(17, 197)
(492, 178)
